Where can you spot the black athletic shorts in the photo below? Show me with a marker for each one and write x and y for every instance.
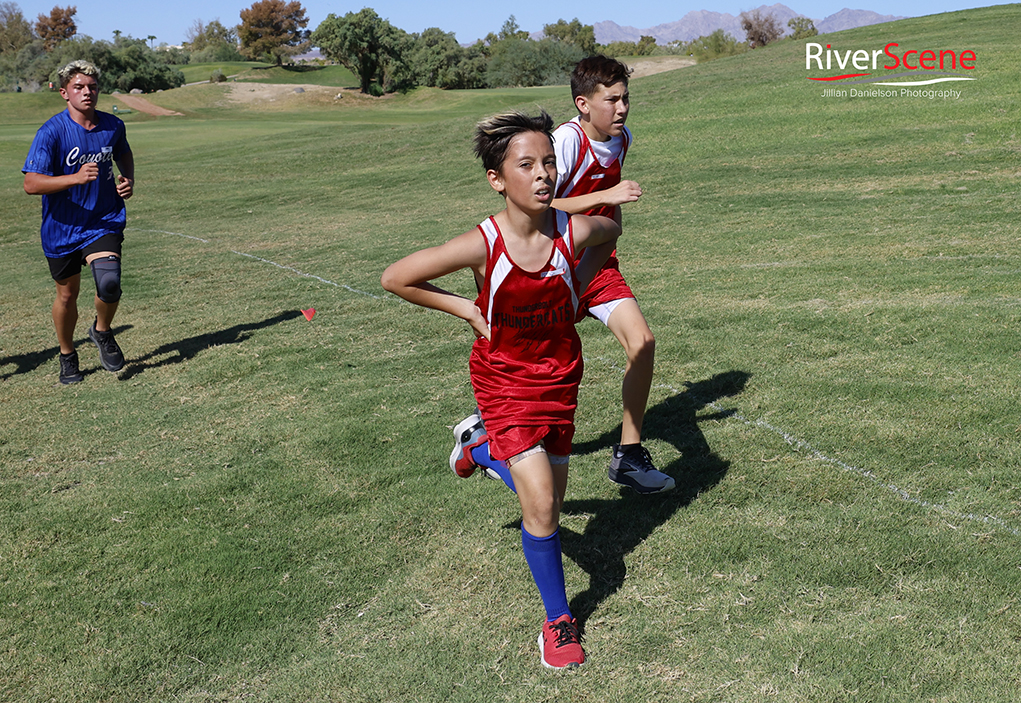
(71, 265)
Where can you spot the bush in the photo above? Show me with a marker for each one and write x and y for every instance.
(216, 52)
(646, 46)
(523, 62)
(802, 28)
(125, 64)
(172, 55)
(760, 29)
(217, 77)
(715, 46)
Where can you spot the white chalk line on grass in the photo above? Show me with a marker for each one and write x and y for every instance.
(801, 445)
(307, 275)
(160, 231)
(797, 444)
(267, 261)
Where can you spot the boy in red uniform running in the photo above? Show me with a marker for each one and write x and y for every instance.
(526, 362)
(590, 152)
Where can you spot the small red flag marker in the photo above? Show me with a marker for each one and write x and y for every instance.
(309, 313)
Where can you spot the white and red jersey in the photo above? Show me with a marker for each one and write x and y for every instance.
(584, 166)
(528, 372)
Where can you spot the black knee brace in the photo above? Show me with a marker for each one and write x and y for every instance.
(107, 273)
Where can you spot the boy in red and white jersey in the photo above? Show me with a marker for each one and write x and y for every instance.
(590, 152)
(526, 362)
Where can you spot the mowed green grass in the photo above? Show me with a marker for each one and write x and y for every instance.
(259, 506)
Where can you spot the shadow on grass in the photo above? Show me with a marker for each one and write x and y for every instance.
(188, 348)
(176, 352)
(27, 363)
(290, 68)
(616, 527)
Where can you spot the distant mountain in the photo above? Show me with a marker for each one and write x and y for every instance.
(849, 19)
(701, 23)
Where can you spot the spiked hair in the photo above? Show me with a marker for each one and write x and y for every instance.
(66, 73)
(494, 134)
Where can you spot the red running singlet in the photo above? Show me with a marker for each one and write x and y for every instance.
(528, 373)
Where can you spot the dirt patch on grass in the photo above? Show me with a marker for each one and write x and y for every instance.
(248, 93)
(136, 102)
(658, 64)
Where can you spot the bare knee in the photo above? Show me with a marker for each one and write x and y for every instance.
(67, 296)
(542, 516)
(641, 348)
(548, 512)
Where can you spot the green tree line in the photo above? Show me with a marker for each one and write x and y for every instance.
(385, 58)
(32, 52)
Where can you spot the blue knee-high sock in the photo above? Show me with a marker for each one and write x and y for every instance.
(481, 456)
(543, 557)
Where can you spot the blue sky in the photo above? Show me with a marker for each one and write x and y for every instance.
(468, 19)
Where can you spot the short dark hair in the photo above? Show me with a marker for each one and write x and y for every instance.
(597, 70)
(494, 134)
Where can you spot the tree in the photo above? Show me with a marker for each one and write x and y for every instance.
(470, 71)
(195, 36)
(174, 55)
(125, 63)
(15, 31)
(574, 32)
(523, 62)
(135, 65)
(509, 30)
(434, 57)
(212, 42)
(643, 47)
(398, 75)
(201, 36)
(364, 43)
(759, 29)
(646, 45)
(802, 27)
(58, 27)
(517, 60)
(620, 48)
(273, 28)
(18, 46)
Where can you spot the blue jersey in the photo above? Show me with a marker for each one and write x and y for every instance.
(76, 217)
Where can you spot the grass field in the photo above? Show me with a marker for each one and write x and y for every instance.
(258, 507)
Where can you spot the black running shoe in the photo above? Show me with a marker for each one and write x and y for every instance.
(69, 372)
(109, 353)
(634, 469)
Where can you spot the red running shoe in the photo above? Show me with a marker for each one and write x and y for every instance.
(560, 644)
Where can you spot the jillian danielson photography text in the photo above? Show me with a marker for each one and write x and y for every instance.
(891, 93)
